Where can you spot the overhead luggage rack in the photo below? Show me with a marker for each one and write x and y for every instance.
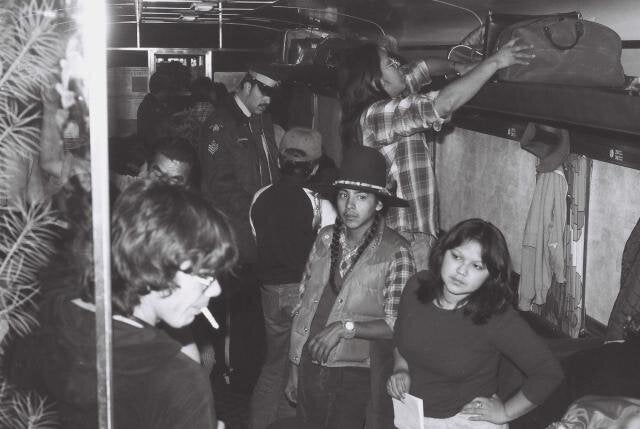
(606, 109)
(604, 123)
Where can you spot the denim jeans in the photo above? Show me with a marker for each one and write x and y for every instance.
(380, 409)
(268, 402)
(333, 398)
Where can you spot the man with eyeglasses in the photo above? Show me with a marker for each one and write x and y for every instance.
(285, 219)
(238, 156)
(173, 161)
(385, 107)
(168, 248)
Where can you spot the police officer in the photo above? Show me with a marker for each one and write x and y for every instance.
(238, 152)
(238, 156)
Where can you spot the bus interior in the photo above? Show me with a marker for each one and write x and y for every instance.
(481, 168)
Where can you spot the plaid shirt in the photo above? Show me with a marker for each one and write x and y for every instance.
(395, 127)
(402, 267)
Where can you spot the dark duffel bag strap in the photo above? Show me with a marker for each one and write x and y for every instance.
(579, 33)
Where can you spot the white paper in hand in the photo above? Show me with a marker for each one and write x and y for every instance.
(408, 413)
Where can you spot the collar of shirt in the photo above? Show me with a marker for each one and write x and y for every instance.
(348, 247)
(242, 106)
(91, 307)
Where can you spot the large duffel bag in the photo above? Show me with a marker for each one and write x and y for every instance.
(568, 50)
(496, 22)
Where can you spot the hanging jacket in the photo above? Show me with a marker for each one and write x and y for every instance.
(543, 242)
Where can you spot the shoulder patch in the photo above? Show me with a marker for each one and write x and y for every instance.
(214, 128)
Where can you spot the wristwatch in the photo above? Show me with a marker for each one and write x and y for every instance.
(350, 329)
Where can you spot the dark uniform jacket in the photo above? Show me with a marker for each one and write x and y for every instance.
(238, 156)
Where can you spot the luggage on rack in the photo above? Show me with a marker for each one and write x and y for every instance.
(496, 22)
(569, 51)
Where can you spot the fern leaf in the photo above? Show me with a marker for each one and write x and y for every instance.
(19, 129)
(31, 49)
(27, 244)
(20, 410)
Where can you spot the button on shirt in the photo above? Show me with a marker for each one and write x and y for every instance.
(395, 127)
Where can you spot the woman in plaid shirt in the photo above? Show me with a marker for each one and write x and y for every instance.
(383, 109)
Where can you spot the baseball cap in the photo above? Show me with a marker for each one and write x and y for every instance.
(301, 144)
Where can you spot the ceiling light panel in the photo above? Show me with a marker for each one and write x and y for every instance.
(201, 10)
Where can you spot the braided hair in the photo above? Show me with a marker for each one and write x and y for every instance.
(335, 248)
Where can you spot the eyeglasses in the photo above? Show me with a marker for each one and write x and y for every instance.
(205, 278)
(394, 63)
(156, 173)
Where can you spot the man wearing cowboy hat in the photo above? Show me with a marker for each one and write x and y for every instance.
(349, 298)
(238, 156)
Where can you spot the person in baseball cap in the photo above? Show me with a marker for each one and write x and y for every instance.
(285, 218)
(300, 150)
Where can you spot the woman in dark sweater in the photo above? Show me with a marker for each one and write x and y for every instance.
(454, 323)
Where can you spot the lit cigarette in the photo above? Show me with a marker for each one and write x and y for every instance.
(206, 313)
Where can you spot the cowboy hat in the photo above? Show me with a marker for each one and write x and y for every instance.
(364, 169)
(549, 144)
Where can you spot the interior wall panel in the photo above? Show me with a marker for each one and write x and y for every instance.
(488, 177)
(614, 208)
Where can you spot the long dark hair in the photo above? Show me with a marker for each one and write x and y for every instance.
(335, 248)
(495, 295)
(359, 86)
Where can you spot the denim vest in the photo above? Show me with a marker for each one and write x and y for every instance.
(360, 299)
